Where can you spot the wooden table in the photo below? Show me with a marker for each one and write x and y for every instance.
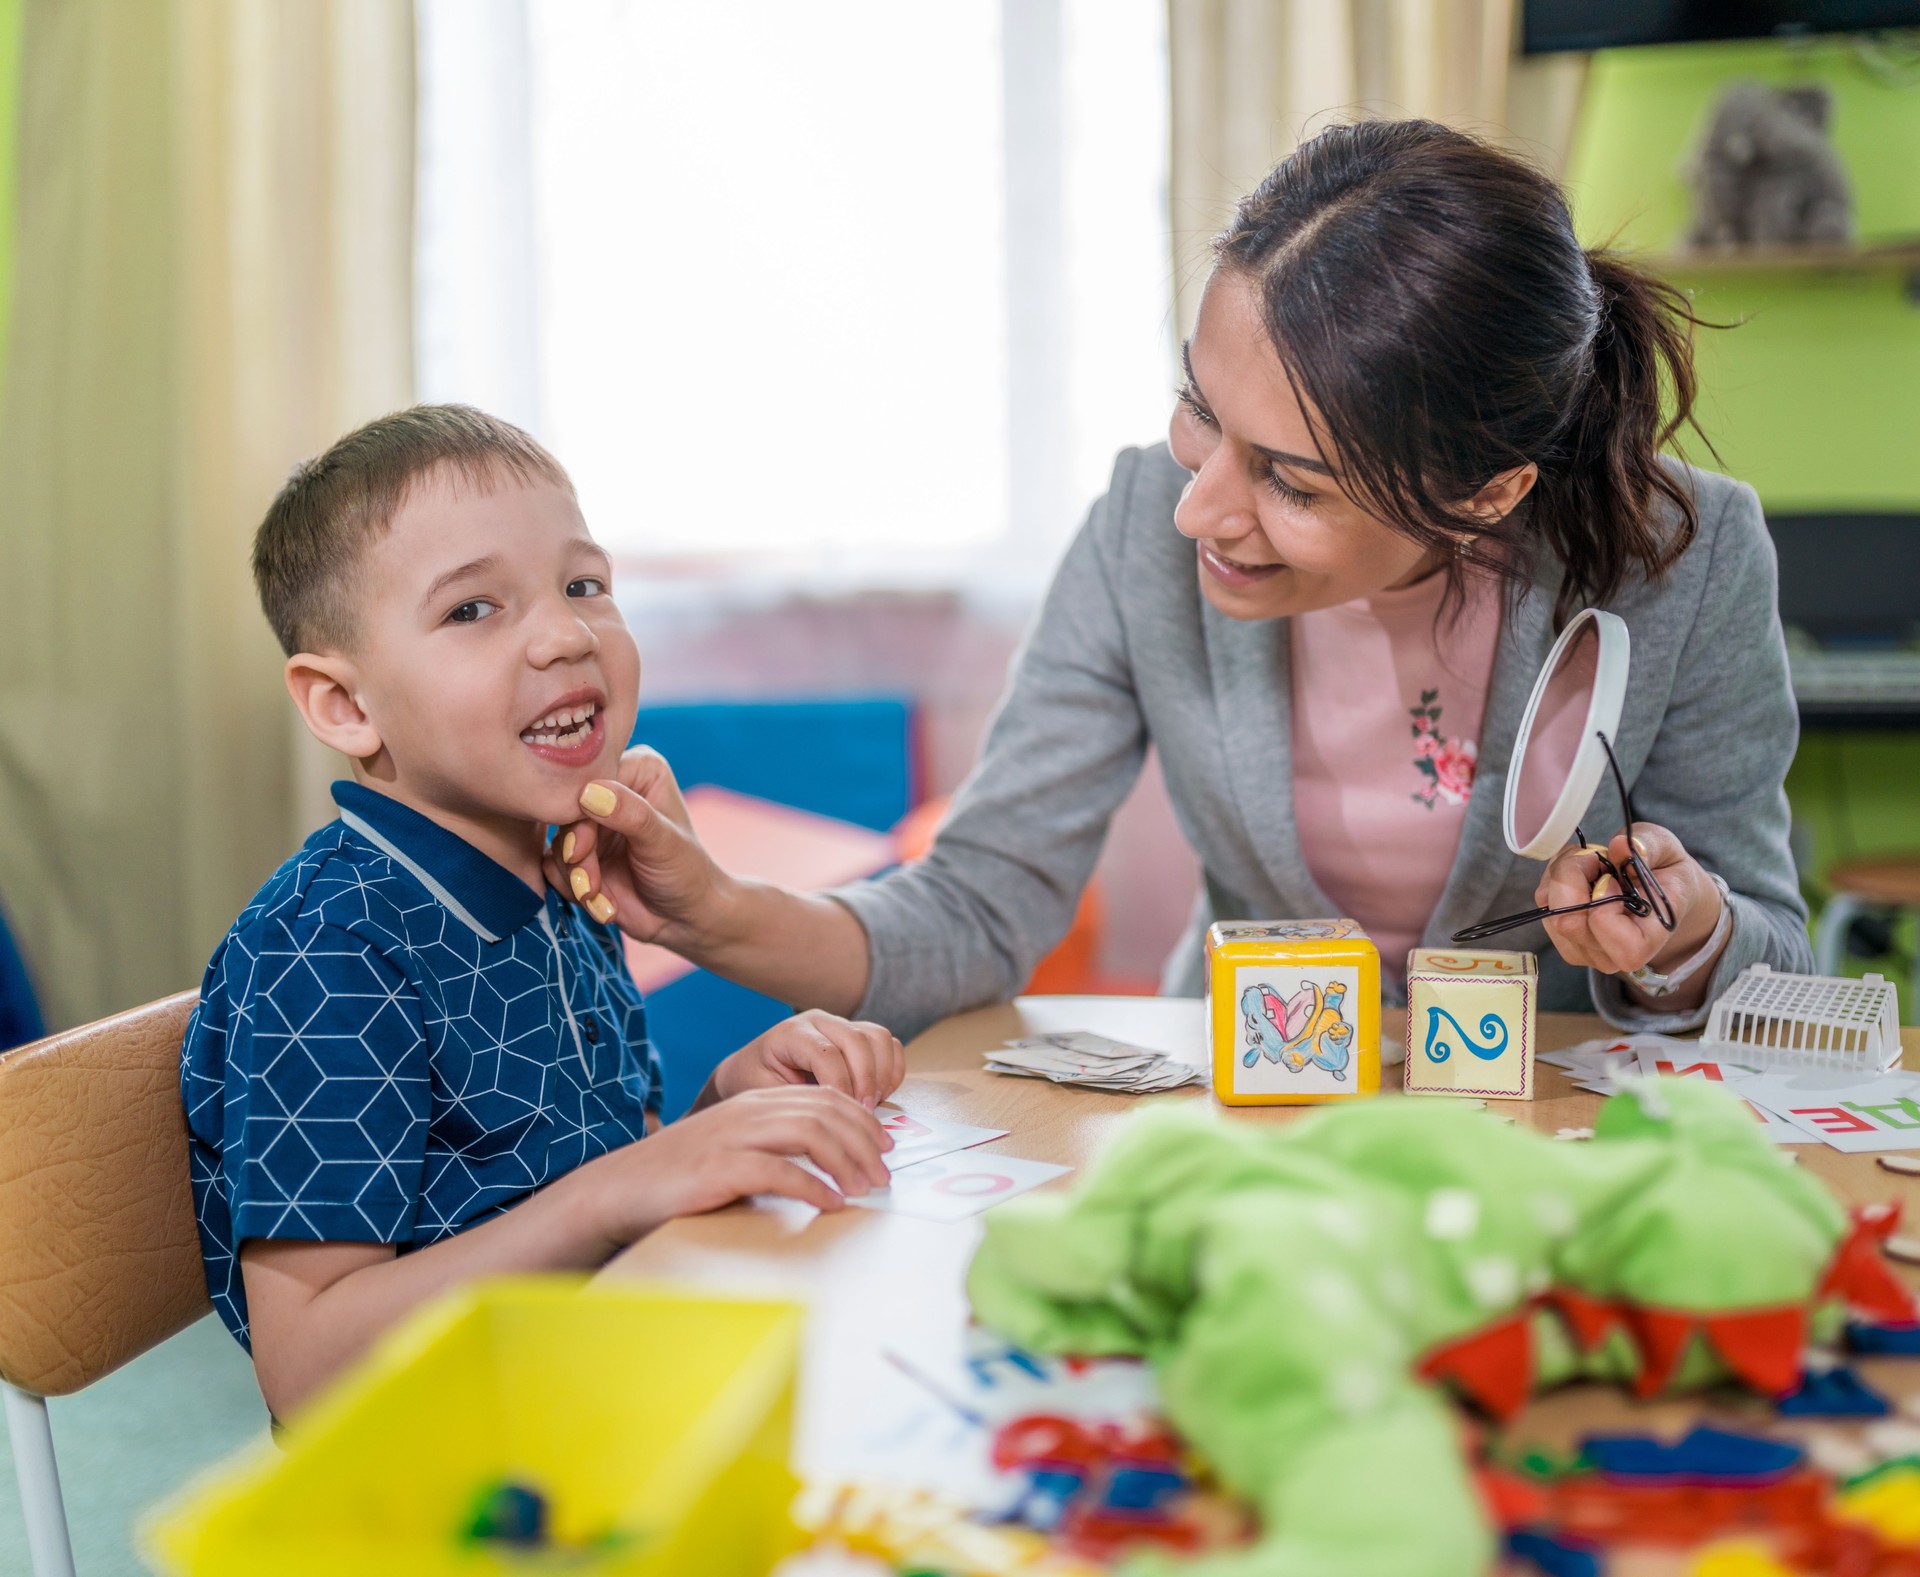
(873, 1280)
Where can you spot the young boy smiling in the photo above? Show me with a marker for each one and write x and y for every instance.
(413, 1063)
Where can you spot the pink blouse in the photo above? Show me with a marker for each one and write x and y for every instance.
(1387, 708)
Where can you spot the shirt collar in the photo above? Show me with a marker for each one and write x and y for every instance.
(479, 892)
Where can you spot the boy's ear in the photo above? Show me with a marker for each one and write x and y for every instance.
(323, 689)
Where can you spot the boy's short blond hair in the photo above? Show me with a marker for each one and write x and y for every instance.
(307, 549)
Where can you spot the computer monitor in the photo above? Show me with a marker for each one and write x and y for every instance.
(1849, 578)
(1547, 26)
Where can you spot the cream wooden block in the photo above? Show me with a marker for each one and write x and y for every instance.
(1470, 1028)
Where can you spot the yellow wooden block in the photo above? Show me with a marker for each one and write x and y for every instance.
(1293, 1011)
(1470, 1027)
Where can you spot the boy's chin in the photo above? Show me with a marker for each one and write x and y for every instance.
(559, 804)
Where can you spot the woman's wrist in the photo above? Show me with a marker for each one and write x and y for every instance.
(1696, 933)
(729, 922)
(804, 949)
(1676, 978)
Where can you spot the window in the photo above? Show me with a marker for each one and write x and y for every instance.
(856, 289)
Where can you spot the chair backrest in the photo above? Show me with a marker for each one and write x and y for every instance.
(99, 1256)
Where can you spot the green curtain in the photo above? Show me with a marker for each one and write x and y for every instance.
(9, 116)
(213, 277)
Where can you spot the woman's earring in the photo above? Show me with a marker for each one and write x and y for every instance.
(1460, 546)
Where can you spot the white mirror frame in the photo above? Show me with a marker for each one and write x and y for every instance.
(1590, 760)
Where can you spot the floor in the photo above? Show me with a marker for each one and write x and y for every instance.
(134, 1438)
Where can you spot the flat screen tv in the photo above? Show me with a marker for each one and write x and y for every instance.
(1550, 25)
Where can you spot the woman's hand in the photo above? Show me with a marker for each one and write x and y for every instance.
(1608, 938)
(860, 1060)
(634, 858)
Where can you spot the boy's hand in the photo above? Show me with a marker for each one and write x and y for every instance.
(633, 857)
(735, 1149)
(864, 1061)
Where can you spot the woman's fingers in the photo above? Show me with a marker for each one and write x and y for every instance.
(576, 840)
(1652, 842)
(1605, 937)
(1570, 940)
(584, 887)
(1621, 941)
(644, 770)
(651, 864)
(1568, 880)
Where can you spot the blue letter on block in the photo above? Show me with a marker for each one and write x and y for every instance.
(1491, 1024)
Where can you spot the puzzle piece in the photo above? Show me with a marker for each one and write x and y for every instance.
(1705, 1456)
(1883, 1341)
(1835, 1393)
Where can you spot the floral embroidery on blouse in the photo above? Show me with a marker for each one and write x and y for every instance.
(1446, 764)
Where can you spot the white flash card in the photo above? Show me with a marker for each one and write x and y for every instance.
(957, 1186)
(1688, 1064)
(917, 1139)
(1849, 1111)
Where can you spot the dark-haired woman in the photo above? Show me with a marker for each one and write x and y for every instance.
(1420, 425)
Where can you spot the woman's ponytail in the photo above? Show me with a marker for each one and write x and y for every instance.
(1428, 296)
(1596, 506)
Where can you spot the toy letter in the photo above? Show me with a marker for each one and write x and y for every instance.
(1491, 1025)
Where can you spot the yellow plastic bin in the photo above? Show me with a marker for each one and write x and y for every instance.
(655, 1422)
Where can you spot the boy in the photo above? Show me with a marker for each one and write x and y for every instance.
(413, 1063)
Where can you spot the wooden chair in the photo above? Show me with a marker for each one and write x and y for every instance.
(1867, 886)
(99, 1256)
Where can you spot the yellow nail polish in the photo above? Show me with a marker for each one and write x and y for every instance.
(1603, 888)
(1640, 847)
(600, 906)
(596, 799)
(566, 848)
(578, 881)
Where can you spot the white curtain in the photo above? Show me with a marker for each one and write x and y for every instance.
(212, 282)
(1252, 77)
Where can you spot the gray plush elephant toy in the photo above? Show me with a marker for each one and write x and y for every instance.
(1766, 174)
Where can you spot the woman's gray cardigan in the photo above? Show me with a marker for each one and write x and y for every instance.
(1126, 652)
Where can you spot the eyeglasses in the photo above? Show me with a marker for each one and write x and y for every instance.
(1639, 893)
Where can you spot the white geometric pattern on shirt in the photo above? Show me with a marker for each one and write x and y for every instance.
(396, 1077)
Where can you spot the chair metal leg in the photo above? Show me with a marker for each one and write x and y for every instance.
(1830, 940)
(48, 1546)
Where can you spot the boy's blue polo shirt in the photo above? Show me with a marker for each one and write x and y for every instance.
(397, 1039)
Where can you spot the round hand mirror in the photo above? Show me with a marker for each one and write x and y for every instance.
(1575, 707)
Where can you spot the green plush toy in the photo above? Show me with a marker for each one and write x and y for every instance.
(1300, 1290)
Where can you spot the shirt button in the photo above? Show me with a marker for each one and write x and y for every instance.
(592, 1029)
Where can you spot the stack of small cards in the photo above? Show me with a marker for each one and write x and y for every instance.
(1081, 1057)
(1596, 1064)
(1849, 1111)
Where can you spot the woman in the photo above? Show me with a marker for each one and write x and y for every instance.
(1420, 427)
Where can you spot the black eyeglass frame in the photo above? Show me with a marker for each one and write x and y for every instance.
(1640, 892)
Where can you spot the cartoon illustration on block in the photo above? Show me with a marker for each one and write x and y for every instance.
(1293, 1011)
(1310, 1026)
(1492, 1027)
(1287, 930)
